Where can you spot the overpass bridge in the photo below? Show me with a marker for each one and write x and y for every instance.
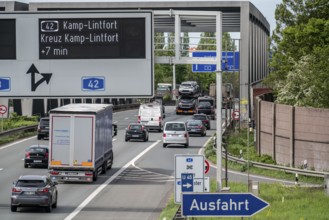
(179, 17)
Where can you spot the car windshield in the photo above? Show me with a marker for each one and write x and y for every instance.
(175, 127)
(204, 104)
(30, 183)
(44, 122)
(201, 117)
(206, 101)
(186, 100)
(194, 123)
(37, 150)
(135, 127)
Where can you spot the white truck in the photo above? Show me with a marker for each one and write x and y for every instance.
(80, 142)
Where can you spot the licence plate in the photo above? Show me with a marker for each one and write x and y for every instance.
(29, 193)
(37, 161)
(73, 178)
(135, 136)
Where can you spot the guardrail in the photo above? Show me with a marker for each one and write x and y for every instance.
(116, 108)
(279, 168)
(17, 130)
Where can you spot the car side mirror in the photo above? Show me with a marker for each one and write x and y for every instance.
(115, 129)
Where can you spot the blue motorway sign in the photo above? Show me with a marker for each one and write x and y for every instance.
(4, 84)
(221, 204)
(230, 61)
(187, 182)
(93, 83)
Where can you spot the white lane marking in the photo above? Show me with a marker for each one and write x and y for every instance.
(151, 172)
(126, 118)
(16, 142)
(101, 187)
(1, 169)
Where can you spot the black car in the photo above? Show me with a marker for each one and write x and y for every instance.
(196, 127)
(36, 155)
(136, 131)
(204, 118)
(206, 105)
(43, 128)
(205, 108)
(34, 190)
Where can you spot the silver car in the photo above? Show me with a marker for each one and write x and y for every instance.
(34, 190)
(175, 133)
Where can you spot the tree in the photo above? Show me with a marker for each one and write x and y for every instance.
(299, 43)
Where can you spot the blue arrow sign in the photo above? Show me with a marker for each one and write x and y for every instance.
(221, 204)
(93, 83)
(4, 84)
(187, 182)
(230, 61)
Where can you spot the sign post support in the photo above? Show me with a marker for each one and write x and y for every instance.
(3, 110)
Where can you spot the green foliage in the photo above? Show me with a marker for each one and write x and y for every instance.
(286, 202)
(299, 64)
(209, 151)
(15, 121)
(166, 97)
(170, 210)
(12, 138)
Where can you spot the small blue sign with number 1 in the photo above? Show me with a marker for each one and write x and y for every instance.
(4, 84)
(93, 83)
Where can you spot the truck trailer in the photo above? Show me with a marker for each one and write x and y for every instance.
(80, 142)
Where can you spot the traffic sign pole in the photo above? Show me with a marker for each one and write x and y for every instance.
(3, 110)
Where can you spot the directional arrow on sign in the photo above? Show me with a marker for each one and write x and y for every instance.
(45, 77)
(221, 204)
(187, 185)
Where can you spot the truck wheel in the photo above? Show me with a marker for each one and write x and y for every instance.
(164, 145)
(39, 137)
(26, 165)
(104, 167)
(49, 207)
(111, 161)
(95, 175)
(55, 204)
(13, 208)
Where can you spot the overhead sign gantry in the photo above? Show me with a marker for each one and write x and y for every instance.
(76, 54)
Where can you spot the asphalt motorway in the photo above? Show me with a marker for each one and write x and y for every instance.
(137, 187)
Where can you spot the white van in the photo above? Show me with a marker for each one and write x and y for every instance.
(151, 115)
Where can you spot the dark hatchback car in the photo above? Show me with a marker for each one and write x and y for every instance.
(204, 118)
(196, 127)
(205, 108)
(36, 155)
(136, 131)
(34, 190)
(43, 128)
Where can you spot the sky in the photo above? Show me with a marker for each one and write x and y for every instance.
(267, 8)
